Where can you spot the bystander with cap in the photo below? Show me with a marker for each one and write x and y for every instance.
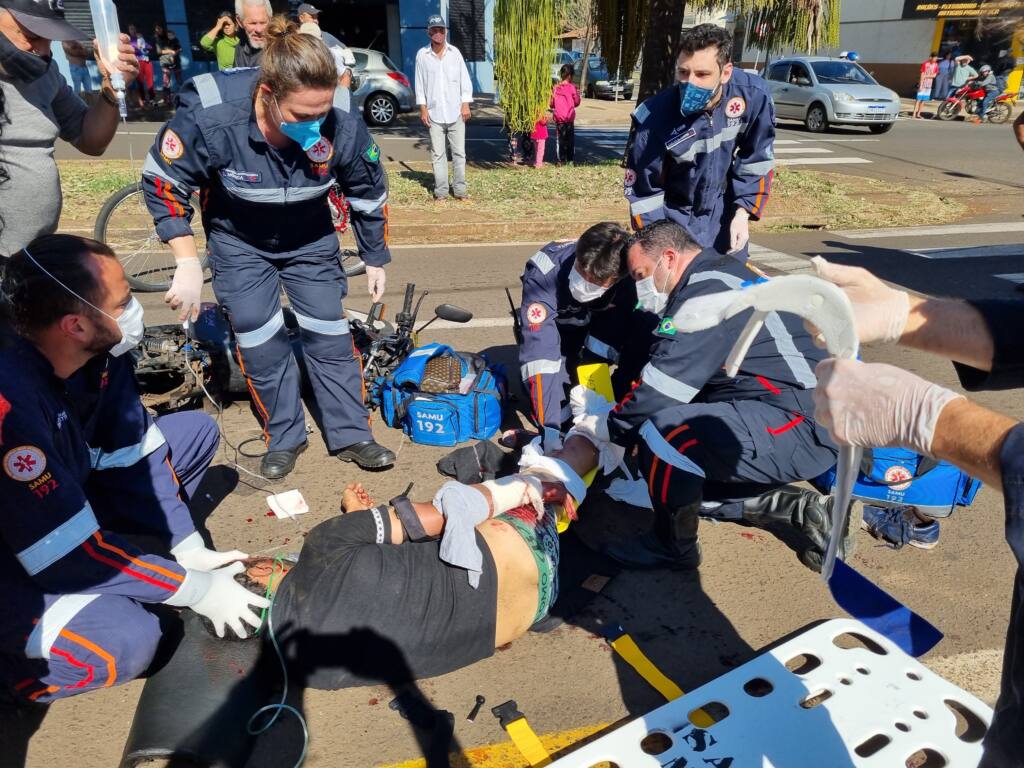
(42, 107)
(444, 92)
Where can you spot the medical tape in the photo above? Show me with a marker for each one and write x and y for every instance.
(515, 491)
(522, 735)
(626, 647)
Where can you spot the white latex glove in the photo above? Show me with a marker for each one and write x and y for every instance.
(590, 420)
(590, 411)
(873, 405)
(192, 554)
(375, 280)
(186, 287)
(881, 312)
(739, 230)
(217, 596)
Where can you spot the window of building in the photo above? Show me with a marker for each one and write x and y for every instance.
(466, 28)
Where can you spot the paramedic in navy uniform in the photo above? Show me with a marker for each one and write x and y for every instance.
(871, 404)
(264, 146)
(702, 150)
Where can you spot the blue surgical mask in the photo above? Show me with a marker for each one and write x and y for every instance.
(305, 133)
(694, 98)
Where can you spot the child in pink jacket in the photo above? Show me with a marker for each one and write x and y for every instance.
(539, 136)
(564, 100)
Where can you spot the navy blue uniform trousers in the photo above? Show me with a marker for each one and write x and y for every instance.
(54, 646)
(248, 284)
(724, 453)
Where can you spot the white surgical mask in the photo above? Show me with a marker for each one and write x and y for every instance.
(647, 294)
(131, 322)
(582, 289)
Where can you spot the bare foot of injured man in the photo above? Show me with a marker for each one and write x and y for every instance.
(408, 590)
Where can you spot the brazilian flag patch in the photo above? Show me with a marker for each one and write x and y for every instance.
(373, 153)
(666, 327)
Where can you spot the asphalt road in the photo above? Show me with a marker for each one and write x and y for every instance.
(751, 590)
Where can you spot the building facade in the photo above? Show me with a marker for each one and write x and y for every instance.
(893, 37)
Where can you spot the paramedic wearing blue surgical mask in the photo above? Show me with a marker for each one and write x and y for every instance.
(265, 146)
(84, 467)
(578, 308)
(701, 151)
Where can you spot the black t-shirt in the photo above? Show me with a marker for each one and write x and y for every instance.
(357, 611)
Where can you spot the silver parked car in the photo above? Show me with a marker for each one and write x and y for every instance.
(821, 91)
(380, 90)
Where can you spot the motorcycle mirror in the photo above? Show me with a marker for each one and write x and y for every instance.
(453, 314)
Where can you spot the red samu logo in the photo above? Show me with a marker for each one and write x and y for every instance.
(736, 106)
(897, 474)
(24, 463)
(536, 314)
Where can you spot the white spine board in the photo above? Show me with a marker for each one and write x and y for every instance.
(883, 708)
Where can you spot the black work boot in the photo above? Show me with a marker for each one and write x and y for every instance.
(276, 464)
(810, 513)
(672, 544)
(369, 454)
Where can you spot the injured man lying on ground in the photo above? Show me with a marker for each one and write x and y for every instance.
(446, 581)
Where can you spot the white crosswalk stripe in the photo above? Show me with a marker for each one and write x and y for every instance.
(778, 261)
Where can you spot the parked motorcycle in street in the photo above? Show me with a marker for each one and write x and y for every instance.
(175, 368)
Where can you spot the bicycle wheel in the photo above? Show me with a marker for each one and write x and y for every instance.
(126, 225)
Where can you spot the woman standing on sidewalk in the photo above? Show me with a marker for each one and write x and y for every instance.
(941, 86)
(929, 71)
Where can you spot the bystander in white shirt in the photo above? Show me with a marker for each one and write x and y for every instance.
(442, 83)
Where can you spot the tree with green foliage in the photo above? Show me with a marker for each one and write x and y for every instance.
(524, 48)
(803, 25)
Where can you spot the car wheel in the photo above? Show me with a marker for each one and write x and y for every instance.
(881, 127)
(817, 119)
(381, 109)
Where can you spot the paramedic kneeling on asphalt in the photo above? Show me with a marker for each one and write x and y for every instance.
(876, 405)
(265, 147)
(708, 444)
(578, 308)
(701, 152)
(83, 464)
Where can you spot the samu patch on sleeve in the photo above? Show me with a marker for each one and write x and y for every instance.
(372, 153)
(171, 146)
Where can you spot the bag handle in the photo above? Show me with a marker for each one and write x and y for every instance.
(924, 466)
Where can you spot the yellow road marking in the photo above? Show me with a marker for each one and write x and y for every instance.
(505, 754)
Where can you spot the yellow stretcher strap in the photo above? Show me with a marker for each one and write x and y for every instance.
(522, 735)
(626, 647)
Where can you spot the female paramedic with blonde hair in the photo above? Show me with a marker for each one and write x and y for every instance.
(264, 147)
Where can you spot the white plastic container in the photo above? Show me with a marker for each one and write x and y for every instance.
(108, 34)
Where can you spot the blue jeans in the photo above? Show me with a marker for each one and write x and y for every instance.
(81, 80)
(990, 96)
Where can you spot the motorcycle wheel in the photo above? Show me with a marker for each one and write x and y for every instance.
(999, 113)
(948, 110)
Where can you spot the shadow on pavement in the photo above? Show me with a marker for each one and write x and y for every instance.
(936, 277)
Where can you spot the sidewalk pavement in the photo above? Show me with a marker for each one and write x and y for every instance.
(931, 107)
(590, 112)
